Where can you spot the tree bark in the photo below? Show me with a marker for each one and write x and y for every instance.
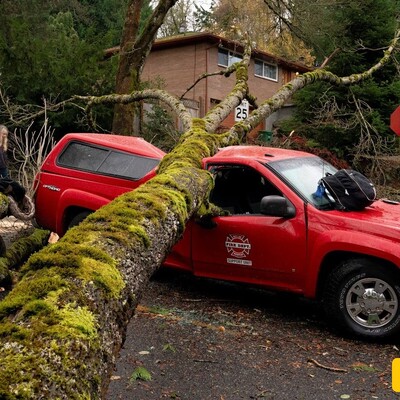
(134, 49)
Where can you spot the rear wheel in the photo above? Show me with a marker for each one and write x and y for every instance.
(78, 218)
(362, 298)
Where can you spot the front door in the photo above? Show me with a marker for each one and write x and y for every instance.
(245, 245)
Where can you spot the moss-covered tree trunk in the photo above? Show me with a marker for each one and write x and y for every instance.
(19, 251)
(64, 322)
(27, 242)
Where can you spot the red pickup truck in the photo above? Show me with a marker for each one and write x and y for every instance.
(277, 235)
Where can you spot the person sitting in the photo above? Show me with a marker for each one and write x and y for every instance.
(3, 151)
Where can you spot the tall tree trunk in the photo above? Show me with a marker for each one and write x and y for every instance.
(134, 49)
(127, 79)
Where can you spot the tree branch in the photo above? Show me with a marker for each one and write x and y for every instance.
(278, 99)
(225, 72)
(216, 115)
(155, 94)
(149, 33)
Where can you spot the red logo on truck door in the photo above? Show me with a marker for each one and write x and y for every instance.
(238, 246)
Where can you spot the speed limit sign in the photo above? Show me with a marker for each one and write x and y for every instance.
(242, 111)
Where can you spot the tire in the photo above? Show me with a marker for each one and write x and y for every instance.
(78, 218)
(362, 298)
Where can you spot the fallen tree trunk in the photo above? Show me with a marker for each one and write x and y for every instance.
(19, 252)
(21, 249)
(65, 321)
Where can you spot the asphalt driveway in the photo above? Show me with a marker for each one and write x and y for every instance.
(195, 339)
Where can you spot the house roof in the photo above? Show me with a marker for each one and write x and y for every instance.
(201, 37)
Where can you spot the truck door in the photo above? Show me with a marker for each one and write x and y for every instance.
(245, 245)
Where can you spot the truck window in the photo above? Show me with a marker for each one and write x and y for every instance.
(239, 189)
(106, 161)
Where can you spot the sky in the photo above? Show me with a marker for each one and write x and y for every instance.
(203, 3)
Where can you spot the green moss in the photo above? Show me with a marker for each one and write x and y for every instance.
(199, 123)
(126, 232)
(23, 247)
(79, 319)
(37, 307)
(5, 276)
(174, 194)
(19, 251)
(104, 275)
(38, 346)
(195, 145)
(27, 385)
(65, 254)
(29, 290)
(13, 332)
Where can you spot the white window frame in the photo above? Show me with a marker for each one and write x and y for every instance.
(232, 57)
(264, 65)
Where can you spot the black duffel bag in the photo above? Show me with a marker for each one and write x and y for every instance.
(351, 190)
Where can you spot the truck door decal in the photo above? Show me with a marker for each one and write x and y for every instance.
(238, 246)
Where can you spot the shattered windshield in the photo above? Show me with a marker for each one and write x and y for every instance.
(303, 175)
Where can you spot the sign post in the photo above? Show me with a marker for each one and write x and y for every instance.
(395, 121)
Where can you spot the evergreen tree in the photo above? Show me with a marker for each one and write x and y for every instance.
(330, 117)
(53, 50)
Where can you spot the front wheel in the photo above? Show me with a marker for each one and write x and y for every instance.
(362, 298)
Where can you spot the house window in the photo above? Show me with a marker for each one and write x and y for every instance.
(266, 70)
(227, 58)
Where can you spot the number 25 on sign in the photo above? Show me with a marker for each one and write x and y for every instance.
(242, 111)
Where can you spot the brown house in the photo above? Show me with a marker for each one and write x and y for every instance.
(180, 60)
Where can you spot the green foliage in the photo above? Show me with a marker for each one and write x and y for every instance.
(203, 19)
(159, 128)
(368, 25)
(340, 129)
(53, 50)
(159, 310)
(140, 373)
(330, 116)
(145, 13)
(100, 20)
(169, 347)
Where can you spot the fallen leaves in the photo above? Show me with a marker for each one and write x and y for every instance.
(140, 373)
(360, 366)
(169, 347)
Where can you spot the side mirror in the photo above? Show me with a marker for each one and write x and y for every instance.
(206, 221)
(277, 206)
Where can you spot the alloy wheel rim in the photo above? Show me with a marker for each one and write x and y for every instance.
(372, 303)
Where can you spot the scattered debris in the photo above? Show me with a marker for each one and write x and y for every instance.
(53, 238)
(205, 361)
(333, 369)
